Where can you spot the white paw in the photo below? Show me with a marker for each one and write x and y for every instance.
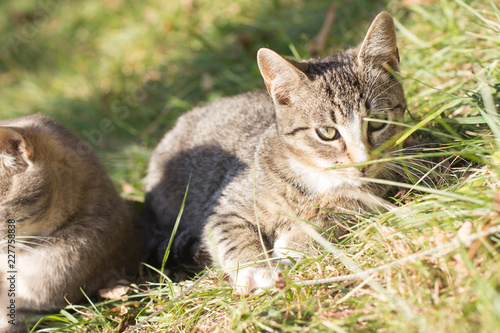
(284, 253)
(255, 279)
(285, 257)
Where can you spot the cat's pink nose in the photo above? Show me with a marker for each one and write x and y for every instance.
(357, 152)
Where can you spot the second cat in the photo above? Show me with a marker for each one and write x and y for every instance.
(63, 226)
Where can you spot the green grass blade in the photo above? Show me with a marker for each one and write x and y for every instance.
(174, 231)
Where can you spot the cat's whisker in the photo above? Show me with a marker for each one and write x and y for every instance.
(383, 109)
(35, 240)
(374, 89)
(418, 180)
(372, 101)
(430, 169)
(436, 173)
(424, 162)
(420, 149)
(427, 163)
(371, 89)
(413, 172)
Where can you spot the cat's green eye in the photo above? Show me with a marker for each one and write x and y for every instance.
(374, 126)
(328, 133)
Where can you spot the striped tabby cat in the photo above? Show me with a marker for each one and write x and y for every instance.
(259, 164)
(63, 225)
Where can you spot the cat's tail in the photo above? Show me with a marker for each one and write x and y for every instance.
(186, 252)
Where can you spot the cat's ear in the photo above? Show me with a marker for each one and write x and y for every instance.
(15, 149)
(281, 76)
(379, 48)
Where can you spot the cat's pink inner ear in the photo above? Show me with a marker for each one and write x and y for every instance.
(278, 75)
(14, 144)
(379, 48)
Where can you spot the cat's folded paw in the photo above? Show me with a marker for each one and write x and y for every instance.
(284, 249)
(255, 279)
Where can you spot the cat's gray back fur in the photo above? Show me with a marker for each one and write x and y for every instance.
(208, 148)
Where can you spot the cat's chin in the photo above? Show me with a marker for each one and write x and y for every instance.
(318, 181)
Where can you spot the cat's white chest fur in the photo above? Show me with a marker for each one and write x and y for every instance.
(321, 181)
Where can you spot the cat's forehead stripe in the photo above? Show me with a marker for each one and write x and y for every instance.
(337, 78)
(332, 115)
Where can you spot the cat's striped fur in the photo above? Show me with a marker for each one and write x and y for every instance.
(259, 162)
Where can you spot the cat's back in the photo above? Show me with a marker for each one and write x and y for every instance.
(37, 124)
(226, 123)
(62, 165)
(51, 136)
(207, 148)
(214, 139)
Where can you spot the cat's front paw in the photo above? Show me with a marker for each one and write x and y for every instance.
(255, 279)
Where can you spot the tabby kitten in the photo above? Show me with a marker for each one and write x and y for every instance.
(71, 227)
(260, 165)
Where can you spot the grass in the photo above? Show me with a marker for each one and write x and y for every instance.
(142, 64)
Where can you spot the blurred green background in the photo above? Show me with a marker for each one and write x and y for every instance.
(118, 73)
